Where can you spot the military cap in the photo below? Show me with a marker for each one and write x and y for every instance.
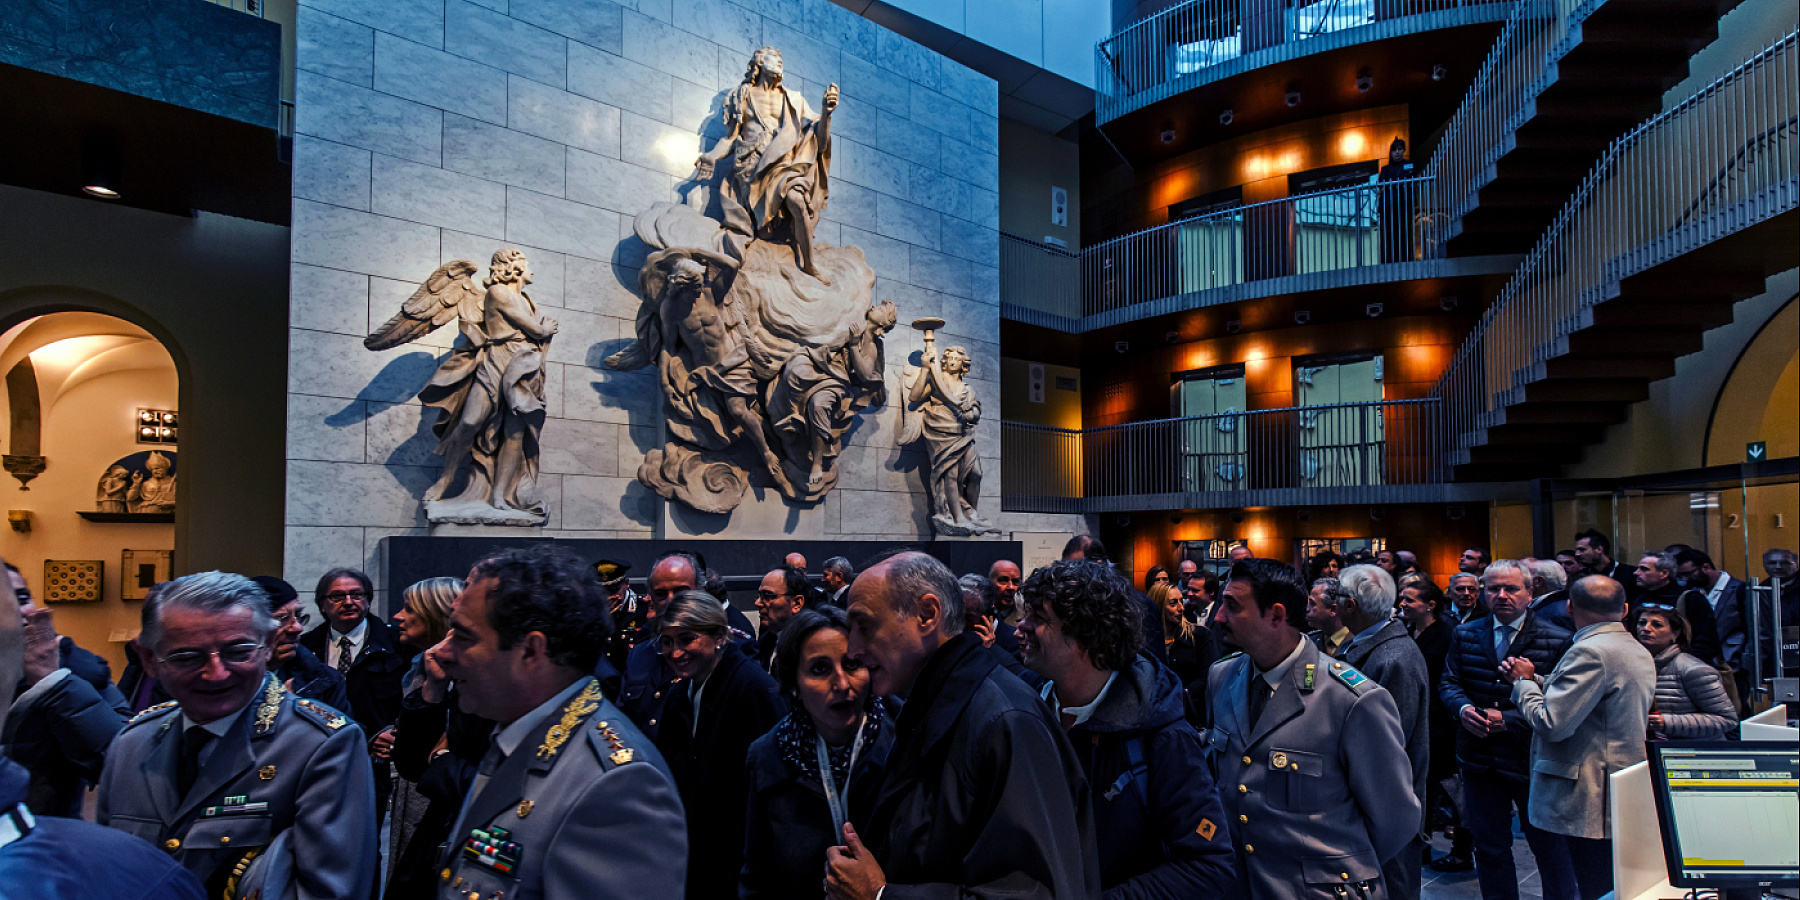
(610, 571)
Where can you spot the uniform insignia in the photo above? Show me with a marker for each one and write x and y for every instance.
(621, 756)
(270, 707)
(1310, 674)
(578, 709)
(525, 808)
(324, 715)
(490, 847)
(266, 773)
(1349, 676)
(1206, 830)
(151, 712)
(1279, 760)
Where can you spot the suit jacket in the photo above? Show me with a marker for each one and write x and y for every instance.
(1554, 608)
(313, 678)
(1320, 791)
(1731, 621)
(301, 769)
(68, 859)
(739, 704)
(594, 816)
(1588, 719)
(374, 682)
(1392, 659)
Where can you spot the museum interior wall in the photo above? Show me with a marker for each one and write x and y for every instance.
(431, 132)
(208, 289)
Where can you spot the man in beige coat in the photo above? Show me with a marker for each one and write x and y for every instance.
(1588, 719)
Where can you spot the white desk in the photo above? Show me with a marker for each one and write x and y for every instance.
(1769, 725)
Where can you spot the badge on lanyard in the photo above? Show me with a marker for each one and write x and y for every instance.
(836, 798)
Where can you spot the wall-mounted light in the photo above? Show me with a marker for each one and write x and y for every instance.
(1364, 81)
(1302, 316)
(1168, 133)
(1121, 346)
(1374, 310)
(157, 426)
(1173, 337)
(1446, 303)
(1293, 98)
(1233, 326)
(100, 168)
(1225, 117)
(1439, 73)
(19, 519)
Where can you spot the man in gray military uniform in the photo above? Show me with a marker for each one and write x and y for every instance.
(1309, 753)
(235, 777)
(571, 800)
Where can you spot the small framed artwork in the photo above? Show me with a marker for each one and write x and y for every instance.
(141, 571)
(73, 580)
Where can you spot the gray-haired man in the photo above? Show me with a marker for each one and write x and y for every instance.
(235, 768)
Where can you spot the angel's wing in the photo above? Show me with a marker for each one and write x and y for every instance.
(449, 294)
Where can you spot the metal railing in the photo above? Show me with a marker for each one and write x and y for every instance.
(1165, 54)
(1722, 160)
(1229, 459)
(1363, 225)
(1039, 278)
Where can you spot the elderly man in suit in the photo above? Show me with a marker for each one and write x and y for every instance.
(1310, 753)
(236, 778)
(1588, 720)
(571, 800)
(1384, 650)
(1549, 592)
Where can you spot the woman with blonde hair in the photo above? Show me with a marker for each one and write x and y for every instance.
(1190, 646)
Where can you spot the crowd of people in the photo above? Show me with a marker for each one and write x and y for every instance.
(538, 728)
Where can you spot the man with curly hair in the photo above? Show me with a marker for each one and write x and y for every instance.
(1160, 827)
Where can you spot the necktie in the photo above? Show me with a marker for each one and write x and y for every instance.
(193, 741)
(1260, 692)
(1502, 641)
(346, 654)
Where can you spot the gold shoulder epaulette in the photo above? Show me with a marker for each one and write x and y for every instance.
(320, 714)
(151, 712)
(576, 712)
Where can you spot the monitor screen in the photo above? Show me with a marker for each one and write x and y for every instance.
(1730, 812)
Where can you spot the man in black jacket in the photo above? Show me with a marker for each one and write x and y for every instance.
(1493, 747)
(1028, 829)
(1656, 578)
(1594, 551)
(368, 652)
(300, 669)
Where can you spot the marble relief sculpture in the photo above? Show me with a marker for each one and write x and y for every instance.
(488, 391)
(156, 492)
(942, 409)
(765, 341)
(110, 495)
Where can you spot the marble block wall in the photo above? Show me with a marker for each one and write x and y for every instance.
(430, 130)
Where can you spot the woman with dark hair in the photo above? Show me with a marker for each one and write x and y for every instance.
(1157, 575)
(719, 704)
(1324, 564)
(1691, 703)
(1190, 647)
(820, 767)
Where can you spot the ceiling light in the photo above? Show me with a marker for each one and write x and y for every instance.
(1225, 117)
(1293, 98)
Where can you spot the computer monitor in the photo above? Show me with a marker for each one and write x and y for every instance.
(1730, 812)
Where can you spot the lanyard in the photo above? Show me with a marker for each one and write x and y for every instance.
(838, 799)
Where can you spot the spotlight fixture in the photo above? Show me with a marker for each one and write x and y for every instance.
(1122, 346)
(1173, 337)
(1375, 513)
(1225, 117)
(1293, 98)
(1122, 521)
(1168, 133)
(1364, 81)
(1302, 316)
(1438, 73)
(1233, 326)
(1374, 310)
(158, 426)
(100, 168)
(1446, 303)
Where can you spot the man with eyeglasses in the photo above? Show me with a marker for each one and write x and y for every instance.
(647, 679)
(300, 669)
(782, 594)
(237, 778)
(370, 655)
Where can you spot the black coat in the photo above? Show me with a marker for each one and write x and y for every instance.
(313, 679)
(1472, 676)
(443, 782)
(983, 790)
(1554, 607)
(1434, 645)
(740, 703)
(1191, 658)
(374, 680)
(62, 735)
(789, 820)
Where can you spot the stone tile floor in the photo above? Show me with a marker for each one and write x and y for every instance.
(1464, 886)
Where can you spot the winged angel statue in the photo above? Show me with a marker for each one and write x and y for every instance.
(489, 390)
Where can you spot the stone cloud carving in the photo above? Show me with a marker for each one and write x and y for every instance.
(489, 390)
(942, 409)
(764, 340)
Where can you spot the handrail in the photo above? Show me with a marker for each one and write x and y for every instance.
(1229, 456)
(1164, 53)
(1635, 209)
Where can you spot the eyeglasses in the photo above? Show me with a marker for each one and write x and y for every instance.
(23, 595)
(1651, 604)
(191, 660)
(294, 618)
(341, 596)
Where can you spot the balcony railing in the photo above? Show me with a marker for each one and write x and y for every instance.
(1345, 453)
(1169, 52)
(1206, 259)
(1722, 160)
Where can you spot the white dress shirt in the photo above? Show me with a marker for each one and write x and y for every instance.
(334, 647)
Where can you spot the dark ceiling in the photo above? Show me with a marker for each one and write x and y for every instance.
(171, 159)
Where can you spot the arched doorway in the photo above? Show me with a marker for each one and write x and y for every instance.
(92, 438)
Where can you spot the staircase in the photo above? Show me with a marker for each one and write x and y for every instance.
(1577, 79)
(1681, 218)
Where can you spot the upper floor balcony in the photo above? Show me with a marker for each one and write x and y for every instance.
(1381, 231)
(1203, 41)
